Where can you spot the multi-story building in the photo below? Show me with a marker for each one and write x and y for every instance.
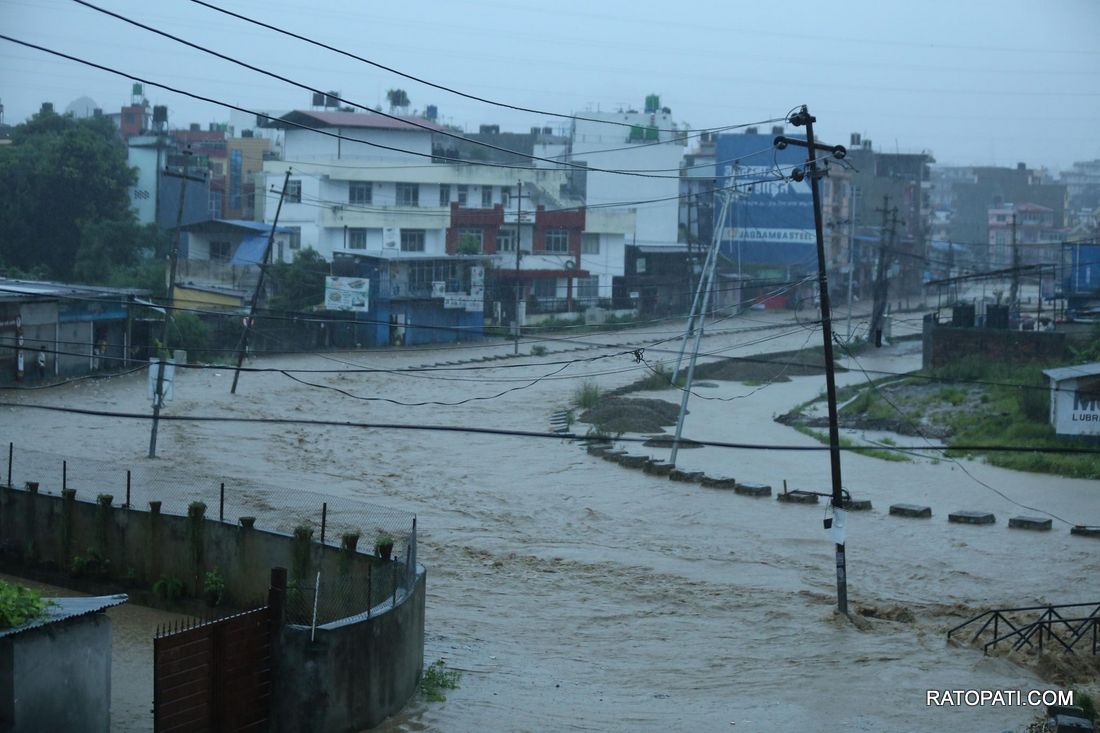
(1023, 234)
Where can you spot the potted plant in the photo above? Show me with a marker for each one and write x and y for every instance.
(247, 522)
(349, 541)
(213, 586)
(383, 546)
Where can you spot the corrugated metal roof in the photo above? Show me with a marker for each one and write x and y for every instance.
(67, 608)
(1073, 372)
(19, 289)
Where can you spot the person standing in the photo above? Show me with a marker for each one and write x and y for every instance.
(41, 362)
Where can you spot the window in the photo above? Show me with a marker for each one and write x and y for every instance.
(505, 197)
(408, 194)
(639, 265)
(546, 287)
(357, 238)
(215, 205)
(486, 197)
(412, 240)
(462, 195)
(444, 195)
(557, 240)
(219, 251)
(588, 289)
(506, 239)
(294, 237)
(590, 244)
(359, 192)
(470, 241)
(293, 192)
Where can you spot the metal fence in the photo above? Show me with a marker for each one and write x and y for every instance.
(324, 519)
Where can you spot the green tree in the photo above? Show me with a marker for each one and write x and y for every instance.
(63, 179)
(300, 284)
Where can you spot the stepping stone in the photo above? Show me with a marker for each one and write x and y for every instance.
(1036, 523)
(797, 497)
(629, 461)
(911, 510)
(678, 474)
(1085, 531)
(971, 518)
(719, 482)
(753, 489)
(597, 449)
(613, 455)
(858, 505)
(657, 468)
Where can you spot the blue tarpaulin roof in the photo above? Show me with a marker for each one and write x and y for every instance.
(250, 251)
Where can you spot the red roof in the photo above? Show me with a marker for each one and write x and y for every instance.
(312, 118)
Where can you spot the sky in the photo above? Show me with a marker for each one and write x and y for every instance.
(973, 82)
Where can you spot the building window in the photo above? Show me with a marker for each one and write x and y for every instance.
(486, 197)
(359, 192)
(557, 240)
(412, 240)
(294, 238)
(546, 287)
(505, 197)
(588, 289)
(357, 238)
(293, 192)
(639, 265)
(215, 205)
(444, 195)
(470, 241)
(590, 244)
(506, 239)
(408, 194)
(463, 194)
(219, 251)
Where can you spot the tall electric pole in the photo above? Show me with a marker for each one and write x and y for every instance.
(839, 521)
(1014, 290)
(173, 259)
(882, 286)
(519, 219)
(259, 287)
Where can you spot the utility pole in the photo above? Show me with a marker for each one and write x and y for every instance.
(259, 287)
(173, 259)
(708, 264)
(1014, 290)
(852, 219)
(839, 522)
(519, 219)
(881, 287)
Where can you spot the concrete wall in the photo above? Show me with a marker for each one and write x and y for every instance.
(945, 344)
(355, 672)
(70, 657)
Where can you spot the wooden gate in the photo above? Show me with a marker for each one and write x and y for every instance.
(214, 676)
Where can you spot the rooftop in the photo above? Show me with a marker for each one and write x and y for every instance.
(63, 609)
(1073, 372)
(370, 120)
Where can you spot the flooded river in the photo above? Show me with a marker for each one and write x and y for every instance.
(575, 594)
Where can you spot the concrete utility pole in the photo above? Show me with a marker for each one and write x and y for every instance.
(839, 519)
(882, 285)
(173, 259)
(1014, 290)
(259, 287)
(519, 219)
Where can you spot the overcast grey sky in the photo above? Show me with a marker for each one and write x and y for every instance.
(972, 81)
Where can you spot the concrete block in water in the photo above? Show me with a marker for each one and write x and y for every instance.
(971, 518)
(657, 467)
(1037, 523)
(719, 482)
(911, 510)
(753, 489)
(615, 456)
(630, 461)
(678, 474)
(1085, 531)
(597, 449)
(858, 505)
(797, 497)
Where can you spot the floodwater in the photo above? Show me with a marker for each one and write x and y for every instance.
(575, 594)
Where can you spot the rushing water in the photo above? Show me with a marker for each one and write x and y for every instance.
(575, 594)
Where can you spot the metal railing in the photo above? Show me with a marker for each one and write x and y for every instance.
(1056, 627)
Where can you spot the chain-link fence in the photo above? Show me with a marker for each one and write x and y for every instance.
(334, 526)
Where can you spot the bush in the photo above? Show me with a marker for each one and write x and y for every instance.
(587, 395)
(18, 605)
(191, 334)
(436, 679)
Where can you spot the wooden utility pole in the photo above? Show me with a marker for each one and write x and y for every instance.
(173, 259)
(259, 287)
(839, 519)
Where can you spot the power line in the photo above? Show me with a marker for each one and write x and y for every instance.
(441, 87)
(437, 129)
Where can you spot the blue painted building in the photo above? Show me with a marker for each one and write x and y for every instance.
(1080, 279)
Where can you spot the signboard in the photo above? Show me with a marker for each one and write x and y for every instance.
(768, 221)
(1075, 406)
(469, 303)
(391, 237)
(347, 294)
(166, 385)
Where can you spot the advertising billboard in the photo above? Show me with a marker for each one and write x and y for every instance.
(768, 221)
(347, 294)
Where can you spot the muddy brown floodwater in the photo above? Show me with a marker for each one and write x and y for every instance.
(575, 594)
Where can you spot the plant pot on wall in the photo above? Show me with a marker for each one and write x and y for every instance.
(383, 546)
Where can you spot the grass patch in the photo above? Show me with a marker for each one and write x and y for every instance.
(587, 395)
(882, 454)
(437, 678)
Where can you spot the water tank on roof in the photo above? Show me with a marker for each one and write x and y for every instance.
(751, 131)
(489, 129)
(318, 99)
(548, 131)
(431, 112)
(855, 143)
(652, 103)
(195, 127)
(777, 129)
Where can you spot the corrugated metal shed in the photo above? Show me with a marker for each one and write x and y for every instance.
(68, 608)
(1073, 372)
